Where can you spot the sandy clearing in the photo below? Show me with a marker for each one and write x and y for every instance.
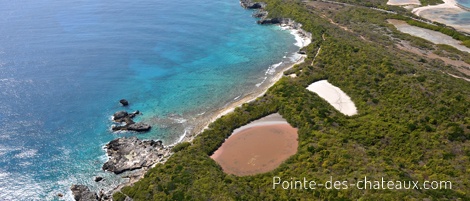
(403, 2)
(334, 96)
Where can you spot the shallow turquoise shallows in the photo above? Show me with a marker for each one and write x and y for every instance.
(465, 3)
(64, 65)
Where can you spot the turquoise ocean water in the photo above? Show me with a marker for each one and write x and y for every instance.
(465, 3)
(64, 65)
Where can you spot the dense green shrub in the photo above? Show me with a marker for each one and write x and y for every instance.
(180, 146)
(431, 2)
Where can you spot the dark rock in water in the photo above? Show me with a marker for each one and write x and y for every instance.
(120, 115)
(132, 115)
(124, 102)
(60, 195)
(83, 193)
(139, 127)
(98, 179)
(124, 117)
(127, 154)
(260, 14)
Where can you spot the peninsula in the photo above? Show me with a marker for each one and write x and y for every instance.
(407, 104)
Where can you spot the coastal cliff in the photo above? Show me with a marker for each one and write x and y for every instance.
(264, 20)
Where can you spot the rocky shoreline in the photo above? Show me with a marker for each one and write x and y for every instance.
(128, 154)
(125, 154)
(264, 20)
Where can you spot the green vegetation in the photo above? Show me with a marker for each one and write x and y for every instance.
(453, 53)
(180, 146)
(413, 122)
(431, 2)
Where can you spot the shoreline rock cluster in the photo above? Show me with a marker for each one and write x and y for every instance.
(83, 193)
(264, 20)
(126, 119)
(126, 154)
(129, 124)
(248, 4)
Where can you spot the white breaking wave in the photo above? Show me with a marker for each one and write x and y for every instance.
(272, 69)
(178, 119)
(259, 84)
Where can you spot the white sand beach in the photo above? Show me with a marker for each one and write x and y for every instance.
(334, 96)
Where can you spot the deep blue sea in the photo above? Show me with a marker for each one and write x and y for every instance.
(64, 65)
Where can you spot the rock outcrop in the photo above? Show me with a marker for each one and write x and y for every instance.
(124, 102)
(139, 127)
(260, 14)
(120, 116)
(248, 4)
(127, 154)
(270, 21)
(98, 179)
(83, 193)
(129, 124)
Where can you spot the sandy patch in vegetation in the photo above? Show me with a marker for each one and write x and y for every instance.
(334, 96)
(403, 2)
